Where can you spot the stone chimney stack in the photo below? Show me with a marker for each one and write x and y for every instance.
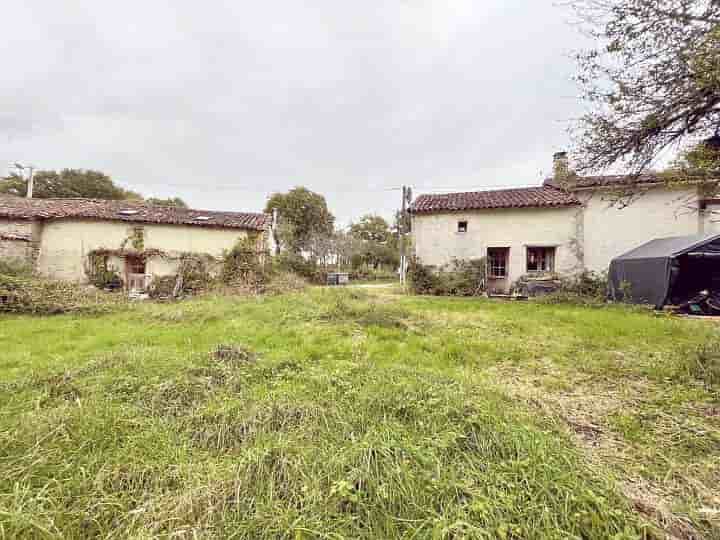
(561, 169)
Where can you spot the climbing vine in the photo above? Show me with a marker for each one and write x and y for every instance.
(100, 274)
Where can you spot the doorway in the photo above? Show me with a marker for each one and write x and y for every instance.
(135, 274)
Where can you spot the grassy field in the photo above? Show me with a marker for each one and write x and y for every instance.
(358, 413)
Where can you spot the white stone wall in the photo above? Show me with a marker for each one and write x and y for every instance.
(588, 236)
(610, 231)
(65, 245)
(437, 242)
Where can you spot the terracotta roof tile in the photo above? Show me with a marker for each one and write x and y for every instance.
(533, 197)
(609, 180)
(130, 211)
(16, 237)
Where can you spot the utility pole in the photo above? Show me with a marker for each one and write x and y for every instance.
(406, 198)
(31, 179)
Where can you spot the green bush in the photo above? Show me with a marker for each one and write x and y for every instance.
(99, 274)
(244, 265)
(297, 264)
(586, 287)
(371, 274)
(459, 278)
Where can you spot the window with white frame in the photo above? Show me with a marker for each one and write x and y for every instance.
(540, 259)
(497, 262)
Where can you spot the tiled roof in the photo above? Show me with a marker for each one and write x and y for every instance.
(611, 180)
(130, 211)
(533, 197)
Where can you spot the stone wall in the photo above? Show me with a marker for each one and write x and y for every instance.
(19, 241)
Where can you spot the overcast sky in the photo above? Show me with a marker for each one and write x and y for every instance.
(222, 103)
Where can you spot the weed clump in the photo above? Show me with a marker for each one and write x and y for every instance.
(37, 296)
(173, 398)
(460, 278)
(232, 354)
(354, 307)
(702, 362)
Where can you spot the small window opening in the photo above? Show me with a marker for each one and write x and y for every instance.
(135, 265)
(497, 262)
(462, 226)
(541, 259)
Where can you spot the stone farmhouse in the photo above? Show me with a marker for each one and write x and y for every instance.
(59, 237)
(564, 226)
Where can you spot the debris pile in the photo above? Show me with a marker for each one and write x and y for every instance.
(705, 302)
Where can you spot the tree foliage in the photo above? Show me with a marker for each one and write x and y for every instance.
(175, 202)
(375, 243)
(303, 215)
(371, 228)
(653, 82)
(68, 183)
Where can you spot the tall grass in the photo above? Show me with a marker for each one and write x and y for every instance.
(327, 414)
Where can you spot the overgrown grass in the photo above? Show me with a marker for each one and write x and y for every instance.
(356, 414)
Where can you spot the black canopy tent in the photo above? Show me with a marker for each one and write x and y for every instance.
(666, 270)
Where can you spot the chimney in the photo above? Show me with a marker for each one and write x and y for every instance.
(561, 168)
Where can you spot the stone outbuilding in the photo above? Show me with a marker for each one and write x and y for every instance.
(66, 238)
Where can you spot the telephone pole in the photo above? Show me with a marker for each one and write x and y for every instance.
(31, 180)
(402, 231)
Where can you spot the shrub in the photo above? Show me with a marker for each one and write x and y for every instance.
(586, 287)
(459, 278)
(587, 283)
(283, 282)
(243, 265)
(15, 267)
(421, 278)
(194, 273)
(162, 286)
(372, 274)
(297, 264)
(99, 274)
(44, 297)
(193, 277)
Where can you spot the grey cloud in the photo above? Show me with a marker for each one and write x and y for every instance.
(224, 102)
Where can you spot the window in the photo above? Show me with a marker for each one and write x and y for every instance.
(135, 265)
(462, 226)
(541, 259)
(497, 259)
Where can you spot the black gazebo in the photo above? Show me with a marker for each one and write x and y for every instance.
(666, 270)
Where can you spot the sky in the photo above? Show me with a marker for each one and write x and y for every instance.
(224, 102)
